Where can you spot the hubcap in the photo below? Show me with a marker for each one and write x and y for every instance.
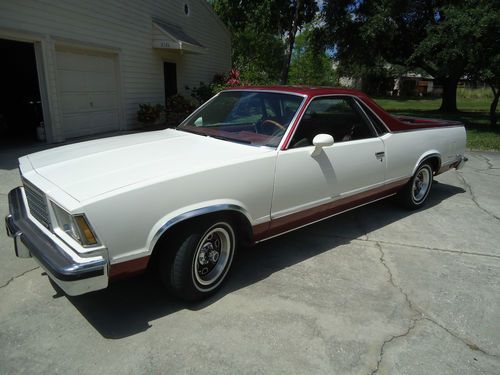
(421, 184)
(212, 256)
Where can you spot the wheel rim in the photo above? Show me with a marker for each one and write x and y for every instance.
(212, 257)
(421, 184)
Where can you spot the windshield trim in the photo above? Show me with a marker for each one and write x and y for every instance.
(290, 125)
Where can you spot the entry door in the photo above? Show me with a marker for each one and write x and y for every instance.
(170, 77)
(353, 165)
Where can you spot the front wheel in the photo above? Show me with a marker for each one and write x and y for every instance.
(416, 191)
(201, 261)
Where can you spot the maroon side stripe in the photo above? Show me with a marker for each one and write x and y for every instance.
(292, 221)
(128, 268)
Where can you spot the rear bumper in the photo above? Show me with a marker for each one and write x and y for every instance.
(74, 274)
(461, 161)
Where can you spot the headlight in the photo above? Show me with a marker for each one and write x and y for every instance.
(76, 226)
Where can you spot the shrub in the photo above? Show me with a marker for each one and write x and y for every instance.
(149, 114)
(177, 109)
(219, 82)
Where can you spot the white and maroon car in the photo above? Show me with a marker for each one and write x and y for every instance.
(250, 164)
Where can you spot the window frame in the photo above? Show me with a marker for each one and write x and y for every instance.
(365, 108)
(356, 108)
(291, 126)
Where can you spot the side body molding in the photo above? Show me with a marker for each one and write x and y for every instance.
(196, 213)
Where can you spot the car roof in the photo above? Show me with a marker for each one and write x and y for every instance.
(302, 90)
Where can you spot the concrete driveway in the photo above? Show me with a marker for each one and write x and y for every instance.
(377, 289)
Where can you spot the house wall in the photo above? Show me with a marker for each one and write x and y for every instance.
(122, 28)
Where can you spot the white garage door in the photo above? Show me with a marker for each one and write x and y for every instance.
(88, 93)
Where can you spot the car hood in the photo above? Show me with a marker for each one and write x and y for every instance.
(88, 169)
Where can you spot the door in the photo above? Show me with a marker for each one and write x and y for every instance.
(170, 77)
(88, 91)
(308, 186)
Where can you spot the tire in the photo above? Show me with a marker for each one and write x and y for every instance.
(416, 191)
(199, 261)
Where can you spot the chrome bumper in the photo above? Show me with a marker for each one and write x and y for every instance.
(461, 162)
(74, 274)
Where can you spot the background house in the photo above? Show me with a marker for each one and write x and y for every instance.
(83, 67)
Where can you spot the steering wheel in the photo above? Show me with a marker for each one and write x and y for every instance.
(274, 123)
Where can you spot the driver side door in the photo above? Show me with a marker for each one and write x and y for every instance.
(309, 187)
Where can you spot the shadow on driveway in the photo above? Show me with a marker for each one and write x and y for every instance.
(127, 307)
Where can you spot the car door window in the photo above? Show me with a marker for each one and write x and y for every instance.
(336, 116)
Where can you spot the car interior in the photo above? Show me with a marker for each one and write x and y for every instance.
(333, 116)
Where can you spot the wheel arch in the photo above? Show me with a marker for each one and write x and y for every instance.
(433, 157)
(238, 214)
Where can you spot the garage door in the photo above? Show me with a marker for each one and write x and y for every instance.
(88, 93)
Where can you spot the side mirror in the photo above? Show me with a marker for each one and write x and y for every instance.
(320, 141)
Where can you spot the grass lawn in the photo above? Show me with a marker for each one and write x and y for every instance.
(473, 113)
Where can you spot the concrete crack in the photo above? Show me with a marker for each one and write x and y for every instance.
(489, 167)
(459, 252)
(469, 344)
(391, 278)
(419, 315)
(412, 325)
(18, 276)
(473, 196)
(413, 321)
(488, 161)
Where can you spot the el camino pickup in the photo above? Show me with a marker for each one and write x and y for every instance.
(250, 164)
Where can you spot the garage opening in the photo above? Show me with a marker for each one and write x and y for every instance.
(20, 105)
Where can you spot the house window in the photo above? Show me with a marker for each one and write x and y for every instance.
(186, 9)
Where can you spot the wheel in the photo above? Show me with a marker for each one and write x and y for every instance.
(416, 191)
(201, 259)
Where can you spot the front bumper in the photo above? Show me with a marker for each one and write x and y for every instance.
(74, 274)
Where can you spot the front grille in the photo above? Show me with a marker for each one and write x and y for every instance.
(37, 203)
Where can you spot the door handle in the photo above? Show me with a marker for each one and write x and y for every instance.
(380, 155)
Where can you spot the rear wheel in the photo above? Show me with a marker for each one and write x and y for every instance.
(416, 191)
(202, 258)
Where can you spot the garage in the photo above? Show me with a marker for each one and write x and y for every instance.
(20, 103)
(73, 70)
(88, 92)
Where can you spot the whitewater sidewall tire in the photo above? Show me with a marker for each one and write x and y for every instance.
(201, 260)
(415, 193)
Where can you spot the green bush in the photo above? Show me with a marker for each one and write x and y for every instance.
(177, 109)
(149, 114)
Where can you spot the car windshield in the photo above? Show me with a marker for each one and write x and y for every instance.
(256, 118)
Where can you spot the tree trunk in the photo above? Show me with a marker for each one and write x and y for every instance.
(449, 98)
(290, 43)
(493, 106)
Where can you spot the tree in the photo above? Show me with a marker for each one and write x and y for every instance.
(293, 15)
(310, 65)
(434, 35)
(257, 47)
(263, 34)
(484, 55)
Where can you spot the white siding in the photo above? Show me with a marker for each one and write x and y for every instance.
(124, 28)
